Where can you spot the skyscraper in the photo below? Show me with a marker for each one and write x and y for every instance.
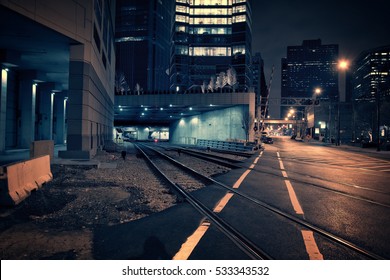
(371, 94)
(371, 71)
(143, 44)
(309, 66)
(259, 86)
(211, 43)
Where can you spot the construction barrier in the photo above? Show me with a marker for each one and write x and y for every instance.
(17, 180)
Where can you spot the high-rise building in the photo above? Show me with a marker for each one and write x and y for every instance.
(370, 83)
(309, 66)
(211, 45)
(143, 44)
(371, 72)
(260, 86)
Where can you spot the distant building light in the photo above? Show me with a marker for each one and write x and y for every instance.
(130, 39)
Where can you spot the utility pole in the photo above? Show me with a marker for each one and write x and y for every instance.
(378, 113)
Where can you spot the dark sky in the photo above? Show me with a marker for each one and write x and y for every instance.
(353, 25)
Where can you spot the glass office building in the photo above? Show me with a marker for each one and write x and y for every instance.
(371, 73)
(211, 43)
(143, 44)
(309, 66)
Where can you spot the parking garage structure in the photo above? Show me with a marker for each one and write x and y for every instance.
(57, 78)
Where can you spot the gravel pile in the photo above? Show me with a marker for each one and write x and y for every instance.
(56, 222)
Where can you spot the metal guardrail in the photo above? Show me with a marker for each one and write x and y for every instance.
(224, 145)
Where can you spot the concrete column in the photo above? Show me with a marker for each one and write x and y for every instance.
(3, 109)
(46, 100)
(79, 134)
(27, 97)
(60, 125)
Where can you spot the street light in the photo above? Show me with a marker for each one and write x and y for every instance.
(294, 114)
(343, 65)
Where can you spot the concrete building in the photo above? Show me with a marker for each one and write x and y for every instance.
(185, 118)
(58, 64)
(309, 66)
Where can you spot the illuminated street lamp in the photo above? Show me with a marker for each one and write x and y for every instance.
(343, 64)
(343, 67)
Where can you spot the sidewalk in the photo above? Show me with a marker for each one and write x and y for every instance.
(16, 155)
(349, 147)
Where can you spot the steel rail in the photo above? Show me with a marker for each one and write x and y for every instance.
(272, 209)
(236, 237)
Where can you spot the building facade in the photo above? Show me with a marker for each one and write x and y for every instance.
(260, 87)
(211, 45)
(143, 44)
(370, 85)
(57, 74)
(309, 66)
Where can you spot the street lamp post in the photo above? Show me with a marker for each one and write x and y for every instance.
(343, 67)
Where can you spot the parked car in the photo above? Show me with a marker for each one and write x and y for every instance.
(268, 140)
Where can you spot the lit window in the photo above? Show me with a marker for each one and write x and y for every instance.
(180, 18)
(239, 9)
(180, 28)
(181, 9)
(241, 18)
(238, 50)
(210, 51)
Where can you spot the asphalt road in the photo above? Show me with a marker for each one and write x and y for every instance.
(340, 190)
(343, 191)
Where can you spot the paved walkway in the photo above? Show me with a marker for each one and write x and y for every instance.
(351, 148)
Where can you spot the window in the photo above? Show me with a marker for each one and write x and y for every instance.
(241, 18)
(239, 9)
(180, 18)
(211, 21)
(239, 50)
(210, 51)
(212, 12)
(181, 28)
(210, 2)
(213, 30)
(181, 9)
(181, 50)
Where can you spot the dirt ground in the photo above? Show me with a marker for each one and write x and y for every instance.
(57, 220)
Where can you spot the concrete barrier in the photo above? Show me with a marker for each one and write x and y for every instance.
(17, 180)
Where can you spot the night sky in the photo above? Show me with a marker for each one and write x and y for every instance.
(354, 25)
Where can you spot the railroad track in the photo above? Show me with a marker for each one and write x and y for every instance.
(234, 163)
(251, 249)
